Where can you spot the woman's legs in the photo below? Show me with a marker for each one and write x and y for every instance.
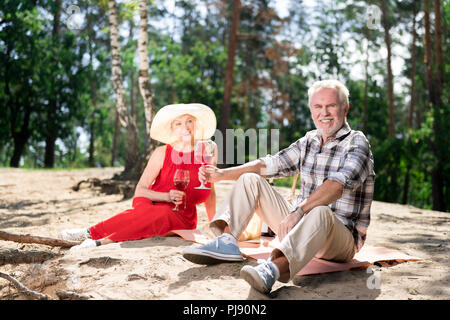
(143, 221)
(105, 241)
(105, 228)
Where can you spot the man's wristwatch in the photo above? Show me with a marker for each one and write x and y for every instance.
(300, 212)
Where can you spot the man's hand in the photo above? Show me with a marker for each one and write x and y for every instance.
(210, 173)
(288, 223)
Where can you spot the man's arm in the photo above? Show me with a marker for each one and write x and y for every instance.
(215, 174)
(327, 193)
(283, 164)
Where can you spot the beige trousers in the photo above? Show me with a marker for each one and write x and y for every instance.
(318, 234)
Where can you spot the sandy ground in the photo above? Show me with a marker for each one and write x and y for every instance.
(42, 203)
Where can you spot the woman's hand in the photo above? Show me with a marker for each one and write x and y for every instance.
(210, 173)
(175, 196)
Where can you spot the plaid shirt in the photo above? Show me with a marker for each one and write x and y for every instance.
(346, 158)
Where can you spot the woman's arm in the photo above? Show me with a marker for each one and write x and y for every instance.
(149, 175)
(210, 203)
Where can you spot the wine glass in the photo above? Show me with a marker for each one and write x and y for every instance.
(203, 153)
(181, 181)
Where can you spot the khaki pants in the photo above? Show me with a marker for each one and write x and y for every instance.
(318, 234)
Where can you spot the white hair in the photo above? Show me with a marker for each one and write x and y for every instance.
(340, 88)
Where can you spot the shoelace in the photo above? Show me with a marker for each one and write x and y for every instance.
(216, 242)
(263, 266)
(224, 240)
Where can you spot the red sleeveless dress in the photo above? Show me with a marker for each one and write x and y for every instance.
(148, 218)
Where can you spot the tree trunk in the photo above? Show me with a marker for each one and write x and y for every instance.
(20, 138)
(229, 77)
(92, 126)
(132, 77)
(91, 143)
(387, 39)
(51, 132)
(439, 61)
(132, 93)
(437, 187)
(366, 89)
(115, 137)
(144, 79)
(132, 158)
(406, 185)
(50, 141)
(428, 53)
(411, 105)
(92, 117)
(437, 174)
(413, 72)
(437, 180)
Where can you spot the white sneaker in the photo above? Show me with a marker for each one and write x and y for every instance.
(88, 243)
(262, 277)
(79, 234)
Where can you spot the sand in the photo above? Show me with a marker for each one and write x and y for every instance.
(42, 203)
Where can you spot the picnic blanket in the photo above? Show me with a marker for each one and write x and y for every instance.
(366, 257)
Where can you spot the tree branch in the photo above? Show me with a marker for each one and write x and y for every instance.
(24, 290)
(35, 239)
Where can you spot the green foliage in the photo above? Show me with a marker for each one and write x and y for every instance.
(276, 61)
(194, 76)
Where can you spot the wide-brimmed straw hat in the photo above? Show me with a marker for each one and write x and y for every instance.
(205, 124)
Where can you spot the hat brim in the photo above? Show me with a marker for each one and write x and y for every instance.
(205, 124)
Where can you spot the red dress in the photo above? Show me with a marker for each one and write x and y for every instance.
(148, 218)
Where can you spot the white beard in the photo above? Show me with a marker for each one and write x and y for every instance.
(329, 132)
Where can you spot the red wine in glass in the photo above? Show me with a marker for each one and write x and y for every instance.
(181, 181)
(180, 184)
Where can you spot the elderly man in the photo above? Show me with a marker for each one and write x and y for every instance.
(330, 217)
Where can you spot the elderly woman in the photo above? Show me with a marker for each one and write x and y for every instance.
(152, 214)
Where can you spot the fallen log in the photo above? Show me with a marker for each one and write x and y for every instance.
(24, 290)
(109, 186)
(70, 295)
(26, 238)
(16, 256)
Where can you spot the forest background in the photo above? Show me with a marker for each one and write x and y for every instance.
(80, 80)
